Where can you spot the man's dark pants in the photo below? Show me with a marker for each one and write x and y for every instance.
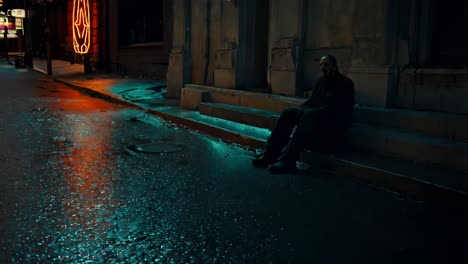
(282, 142)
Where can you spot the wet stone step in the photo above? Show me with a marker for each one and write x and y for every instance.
(245, 115)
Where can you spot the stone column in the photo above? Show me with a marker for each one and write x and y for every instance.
(178, 72)
(285, 38)
(226, 55)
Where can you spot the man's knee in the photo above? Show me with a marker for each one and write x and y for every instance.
(291, 112)
(310, 115)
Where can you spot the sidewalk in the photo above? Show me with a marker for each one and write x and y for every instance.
(148, 96)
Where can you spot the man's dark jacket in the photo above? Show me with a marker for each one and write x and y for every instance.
(333, 101)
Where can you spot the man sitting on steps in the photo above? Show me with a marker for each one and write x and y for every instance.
(320, 122)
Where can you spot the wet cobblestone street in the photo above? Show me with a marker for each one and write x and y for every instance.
(74, 190)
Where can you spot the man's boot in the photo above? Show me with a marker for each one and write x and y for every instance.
(265, 159)
(283, 166)
(287, 159)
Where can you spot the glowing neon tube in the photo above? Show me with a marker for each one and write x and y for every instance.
(81, 26)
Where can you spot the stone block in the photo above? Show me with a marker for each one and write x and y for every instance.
(285, 43)
(282, 59)
(406, 91)
(225, 78)
(225, 72)
(225, 97)
(175, 75)
(191, 98)
(224, 59)
(283, 82)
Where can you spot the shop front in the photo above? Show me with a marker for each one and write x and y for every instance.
(12, 30)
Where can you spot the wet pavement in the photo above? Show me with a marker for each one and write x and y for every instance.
(87, 181)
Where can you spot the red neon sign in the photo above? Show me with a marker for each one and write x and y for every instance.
(81, 26)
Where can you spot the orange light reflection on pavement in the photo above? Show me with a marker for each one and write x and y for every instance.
(88, 165)
(73, 101)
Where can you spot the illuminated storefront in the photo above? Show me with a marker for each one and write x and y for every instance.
(12, 21)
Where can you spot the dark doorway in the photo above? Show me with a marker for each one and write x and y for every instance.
(253, 45)
(450, 38)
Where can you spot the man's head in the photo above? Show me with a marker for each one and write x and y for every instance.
(328, 66)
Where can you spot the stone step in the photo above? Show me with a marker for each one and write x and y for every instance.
(250, 136)
(268, 102)
(381, 140)
(410, 146)
(240, 114)
(451, 126)
(419, 181)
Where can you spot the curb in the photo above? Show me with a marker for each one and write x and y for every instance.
(230, 136)
(402, 184)
(226, 135)
(98, 94)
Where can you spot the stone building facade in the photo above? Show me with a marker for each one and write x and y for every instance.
(400, 53)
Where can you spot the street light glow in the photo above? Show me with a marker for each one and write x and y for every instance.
(81, 26)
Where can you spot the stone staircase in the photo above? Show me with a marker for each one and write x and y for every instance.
(420, 154)
(241, 114)
(425, 137)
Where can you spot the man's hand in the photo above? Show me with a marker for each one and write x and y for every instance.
(307, 93)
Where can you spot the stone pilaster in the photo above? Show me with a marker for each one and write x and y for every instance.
(178, 72)
(286, 24)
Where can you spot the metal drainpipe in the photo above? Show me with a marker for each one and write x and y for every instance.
(299, 49)
(188, 40)
(208, 35)
(394, 78)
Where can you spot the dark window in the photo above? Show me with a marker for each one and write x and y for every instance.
(450, 41)
(140, 21)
